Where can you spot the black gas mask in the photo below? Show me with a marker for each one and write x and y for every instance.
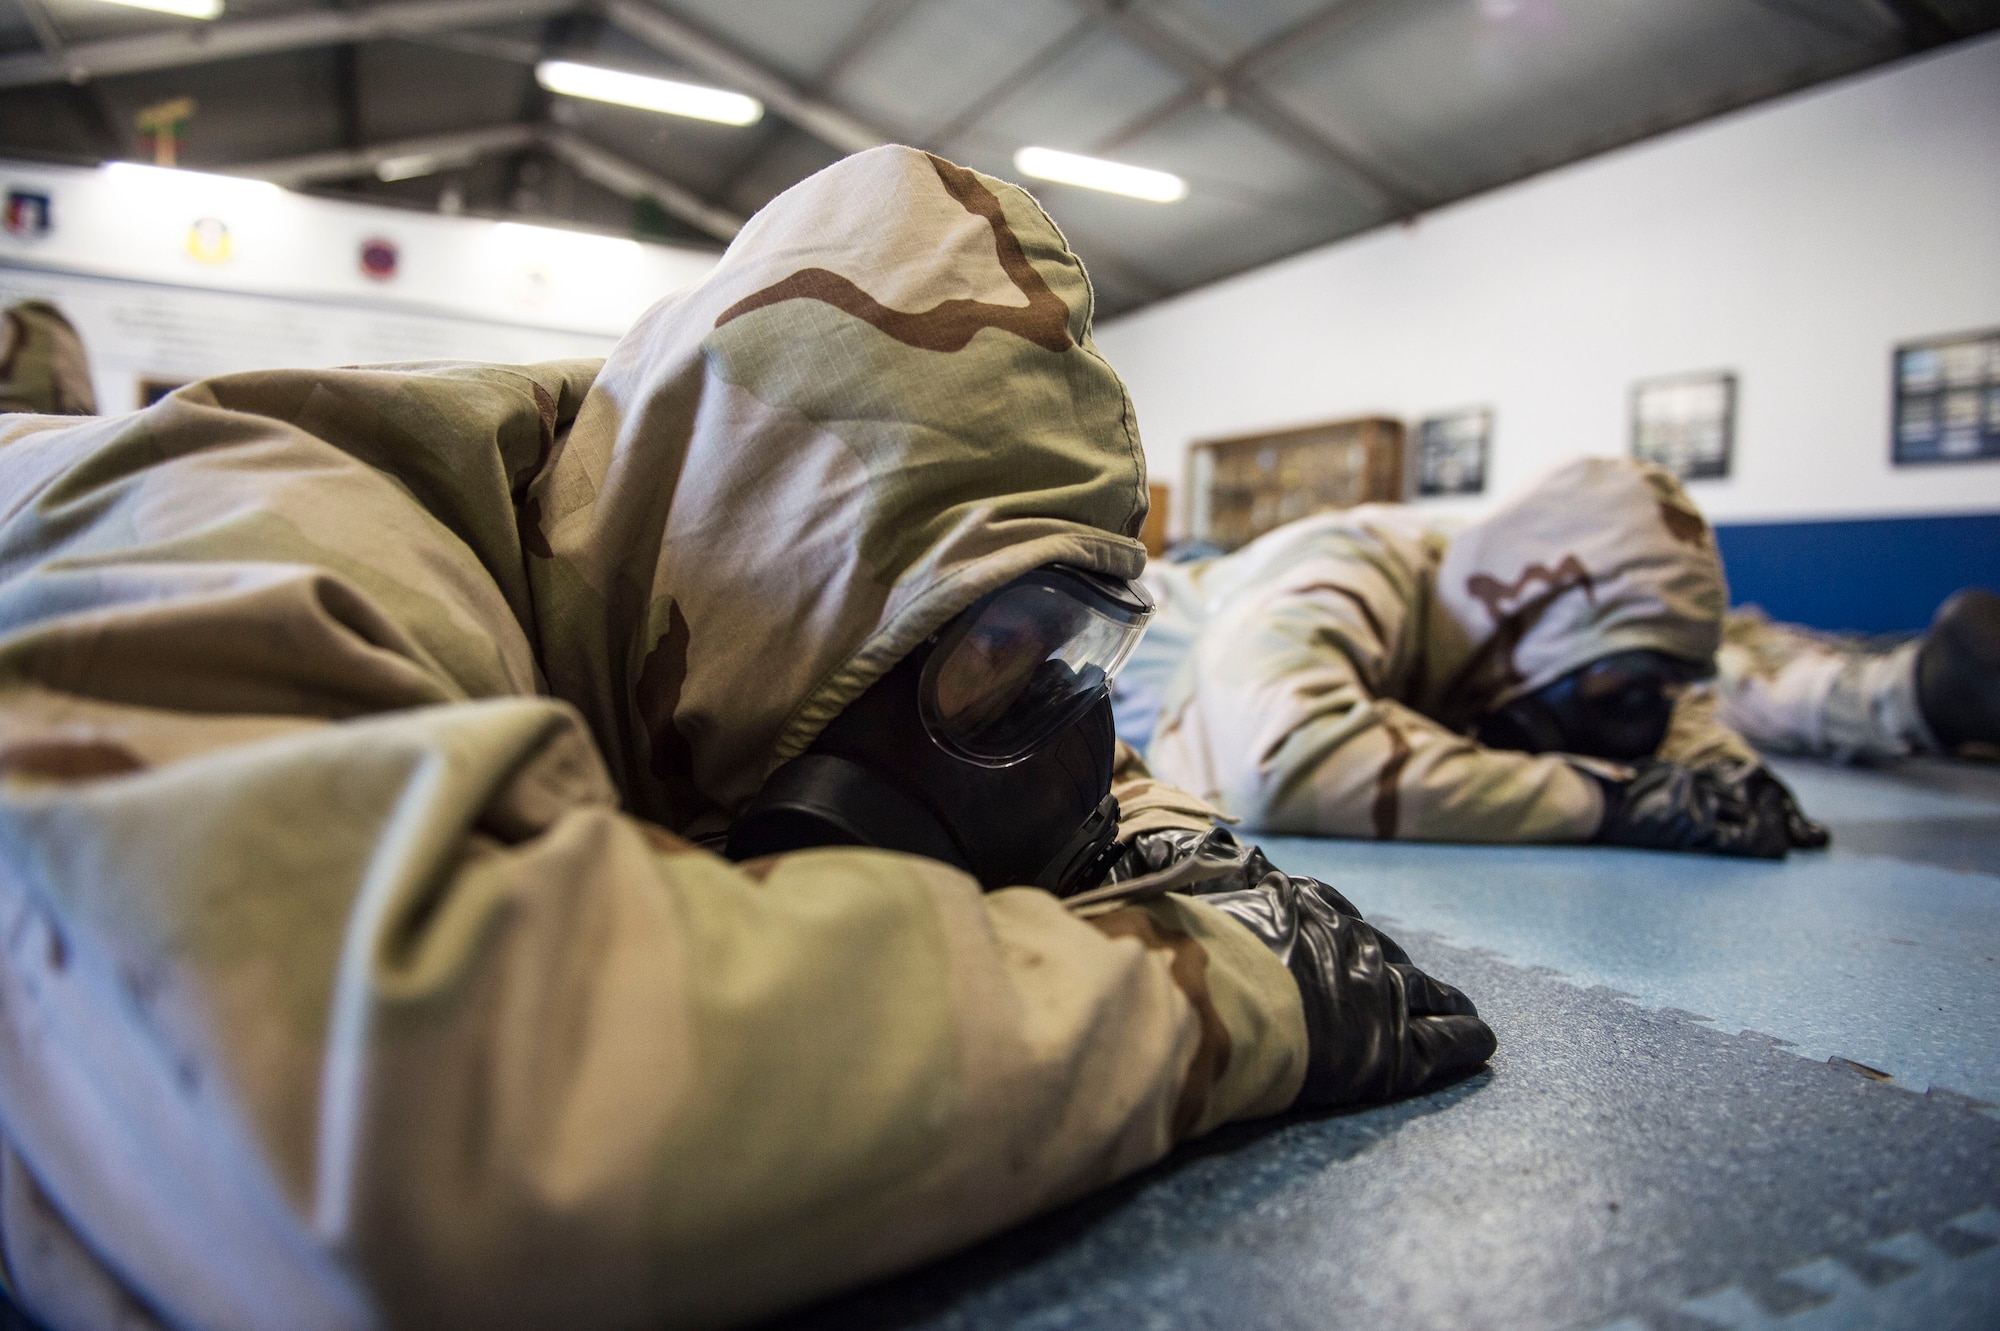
(1617, 707)
(989, 747)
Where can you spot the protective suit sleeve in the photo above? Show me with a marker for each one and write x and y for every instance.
(1147, 804)
(1280, 717)
(337, 992)
(1698, 737)
(399, 1022)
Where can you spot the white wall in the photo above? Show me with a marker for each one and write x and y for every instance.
(292, 290)
(1794, 243)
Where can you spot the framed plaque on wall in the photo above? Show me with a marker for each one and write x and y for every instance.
(1451, 452)
(1685, 423)
(1947, 399)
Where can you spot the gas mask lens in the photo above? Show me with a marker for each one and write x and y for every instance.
(1027, 661)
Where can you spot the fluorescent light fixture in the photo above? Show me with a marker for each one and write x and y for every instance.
(648, 94)
(167, 178)
(1136, 182)
(185, 8)
(408, 167)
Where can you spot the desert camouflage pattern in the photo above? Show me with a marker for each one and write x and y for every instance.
(1335, 665)
(358, 728)
(1789, 689)
(42, 365)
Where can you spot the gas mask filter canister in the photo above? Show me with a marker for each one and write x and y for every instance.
(989, 747)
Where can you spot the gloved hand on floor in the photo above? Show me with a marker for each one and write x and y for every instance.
(1376, 1026)
(1776, 797)
(1738, 809)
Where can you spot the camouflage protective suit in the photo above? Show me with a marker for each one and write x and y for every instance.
(42, 365)
(1796, 690)
(360, 969)
(1334, 667)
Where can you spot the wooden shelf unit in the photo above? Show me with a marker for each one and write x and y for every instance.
(1246, 485)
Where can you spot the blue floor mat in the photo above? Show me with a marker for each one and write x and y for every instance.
(1727, 1095)
(1873, 950)
(1615, 1166)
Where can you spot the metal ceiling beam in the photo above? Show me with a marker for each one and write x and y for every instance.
(1269, 51)
(636, 182)
(586, 158)
(1251, 101)
(1308, 29)
(345, 163)
(1811, 13)
(880, 18)
(482, 44)
(89, 106)
(861, 38)
(1010, 82)
(45, 32)
(201, 43)
(671, 37)
(1924, 25)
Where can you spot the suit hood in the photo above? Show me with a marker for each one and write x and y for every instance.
(43, 368)
(883, 403)
(1600, 555)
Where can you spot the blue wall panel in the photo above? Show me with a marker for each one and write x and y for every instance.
(1873, 575)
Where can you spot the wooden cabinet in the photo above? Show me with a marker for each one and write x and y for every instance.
(1244, 486)
(1154, 534)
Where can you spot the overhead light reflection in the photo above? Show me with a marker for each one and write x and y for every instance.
(407, 168)
(157, 178)
(1136, 182)
(202, 9)
(648, 94)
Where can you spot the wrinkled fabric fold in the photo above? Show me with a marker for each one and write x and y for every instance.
(360, 968)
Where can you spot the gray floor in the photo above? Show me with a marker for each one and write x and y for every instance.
(1736, 1095)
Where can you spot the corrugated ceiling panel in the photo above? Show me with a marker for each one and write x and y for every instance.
(1098, 85)
(945, 56)
(409, 90)
(782, 163)
(1221, 154)
(1224, 29)
(1460, 96)
(794, 37)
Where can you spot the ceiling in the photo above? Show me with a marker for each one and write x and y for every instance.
(1295, 122)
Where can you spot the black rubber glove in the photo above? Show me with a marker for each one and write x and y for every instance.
(1776, 801)
(1736, 809)
(1376, 1026)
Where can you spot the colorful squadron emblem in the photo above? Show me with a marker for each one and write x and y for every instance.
(208, 240)
(27, 214)
(379, 258)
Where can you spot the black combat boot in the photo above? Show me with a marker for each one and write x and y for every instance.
(1958, 670)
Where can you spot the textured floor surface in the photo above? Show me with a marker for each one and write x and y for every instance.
(1727, 1095)
(1661, 1142)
